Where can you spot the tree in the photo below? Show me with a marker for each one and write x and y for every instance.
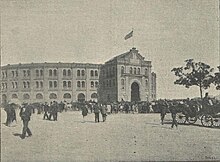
(194, 74)
(216, 79)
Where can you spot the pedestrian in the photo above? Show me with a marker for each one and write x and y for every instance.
(46, 110)
(126, 108)
(55, 109)
(8, 112)
(104, 112)
(163, 110)
(25, 114)
(173, 111)
(84, 111)
(96, 112)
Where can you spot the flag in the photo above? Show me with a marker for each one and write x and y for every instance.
(129, 35)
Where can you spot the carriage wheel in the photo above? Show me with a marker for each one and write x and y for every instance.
(192, 120)
(216, 122)
(181, 118)
(207, 121)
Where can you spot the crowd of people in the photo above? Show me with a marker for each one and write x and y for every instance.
(50, 110)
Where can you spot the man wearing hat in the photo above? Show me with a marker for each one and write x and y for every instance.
(25, 114)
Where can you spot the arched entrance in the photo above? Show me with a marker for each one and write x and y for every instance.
(81, 97)
(4, 99)
(135, 92)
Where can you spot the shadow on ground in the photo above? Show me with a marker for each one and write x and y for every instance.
(17, 135)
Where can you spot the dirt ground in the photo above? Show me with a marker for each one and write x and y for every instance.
(123, 137)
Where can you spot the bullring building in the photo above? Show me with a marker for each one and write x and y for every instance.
(126, 77)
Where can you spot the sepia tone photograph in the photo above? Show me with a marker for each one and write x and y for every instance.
(109, 80)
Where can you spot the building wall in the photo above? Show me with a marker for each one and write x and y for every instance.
(40, 81)
(131, 67)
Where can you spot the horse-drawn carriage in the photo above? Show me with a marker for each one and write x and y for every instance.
(211, 117)
(190, 113)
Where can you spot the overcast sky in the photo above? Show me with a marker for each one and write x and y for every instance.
(166, 32)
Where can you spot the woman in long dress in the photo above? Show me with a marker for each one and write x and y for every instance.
(84, 111)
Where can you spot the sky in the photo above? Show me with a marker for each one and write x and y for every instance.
(166, 32)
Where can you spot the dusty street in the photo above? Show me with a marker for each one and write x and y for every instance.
(123, 137)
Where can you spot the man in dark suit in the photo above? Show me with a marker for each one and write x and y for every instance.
(25, 114)
(96, 111)
(46, 109)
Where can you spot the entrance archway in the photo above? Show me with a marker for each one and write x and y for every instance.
(81, 97)
(4, 99)
(135, 92)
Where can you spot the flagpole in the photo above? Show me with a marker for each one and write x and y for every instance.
(133, 38)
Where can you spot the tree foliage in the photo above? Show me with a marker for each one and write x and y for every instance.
(216, 79)
(194, 74)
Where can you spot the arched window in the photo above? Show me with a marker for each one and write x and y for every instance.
(41, 84)
(64, 84)
(103, 72)
(14, 96)
(55, 72)
(92, 73)
(94, 96)
(69, 84)
(28, 72)
(96, 84)
(16, 84)
(13, 85)
(41, 73)
(78, 84)
(113, 70)
(81, 97)
(113, 82)
(37, 84)
(67, 96)
(139, 71)
(96, 73)
(146, 71)
(55, 84)
(83, 84)
(83, 72)
(24, 73)
(146, 83)
(122, 70)
(53, 96)
(37, 73)
(24, 85)
(16, 72)
(78, 72)
(131, 70)
(50, 72)
(135, 71)
(13, 74)
(107, 83)
(39, 96)
(69, 72)
(92, 84)
(4, 98)
(64, 72)
(107, 73)
(122, 82)
(28, 84)
(110, 83)
(50, 84)
(26, 96)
